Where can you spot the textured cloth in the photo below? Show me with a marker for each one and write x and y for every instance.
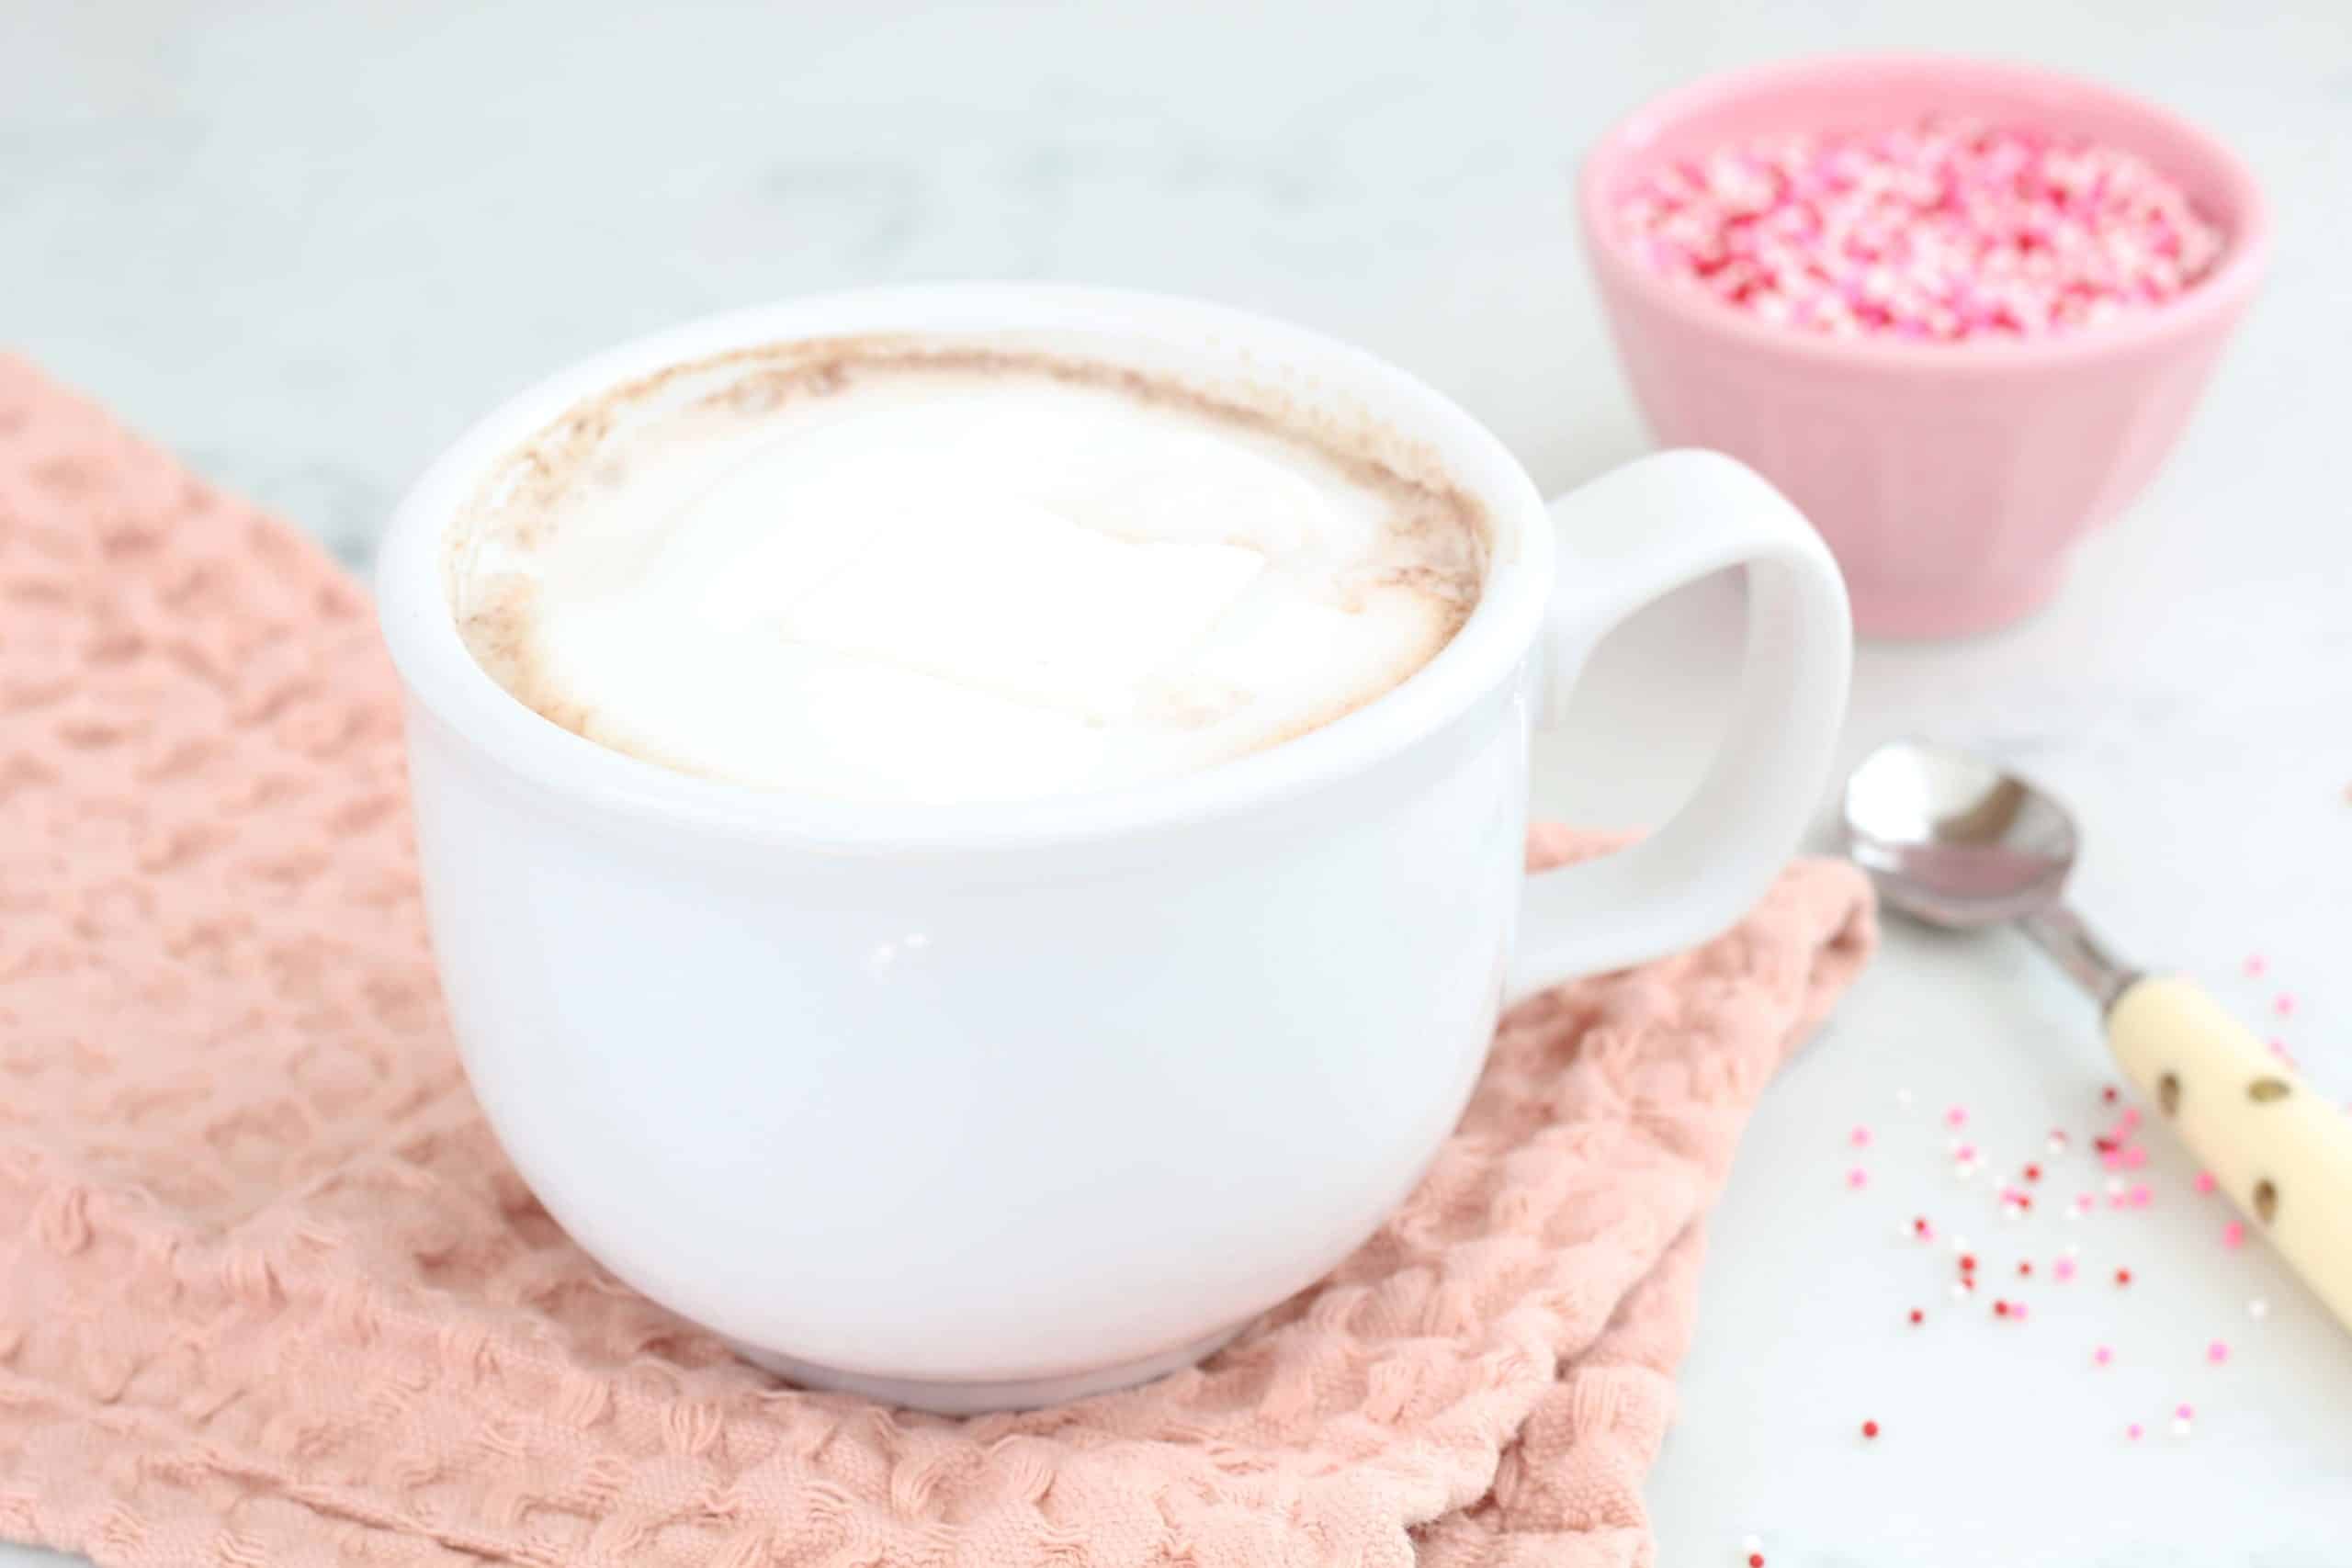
(269, 1294)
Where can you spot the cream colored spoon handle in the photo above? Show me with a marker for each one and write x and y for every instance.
(2281, 1152)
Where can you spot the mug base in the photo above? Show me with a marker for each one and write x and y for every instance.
(951, 1398)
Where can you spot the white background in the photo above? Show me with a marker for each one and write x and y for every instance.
(304, 244)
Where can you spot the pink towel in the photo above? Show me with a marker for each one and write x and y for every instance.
(270, 1295)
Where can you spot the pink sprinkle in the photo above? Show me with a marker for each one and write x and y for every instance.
(2016, 1310)
(2278, 1049)
(2205, 1182)
(1858, 1177)
(2141, 1197)
(1965, 1153)
(1860, 1137)
(1956, 1117)
(2256, 964)
(2063, 1269)
(2184, 1413)
(2285, 1005)
(1931, 231)
(2112, 1160)
(2057, 1139)
(2102, 1356)
(2084, 1202)
(2217, 1352)
(2130, 1122)
(2233, 1234)
(2135, 1156)
(2134, 1432)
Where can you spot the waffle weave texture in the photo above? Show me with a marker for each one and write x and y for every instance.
(270, 1295)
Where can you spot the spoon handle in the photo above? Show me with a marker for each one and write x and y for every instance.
(2281, 1152)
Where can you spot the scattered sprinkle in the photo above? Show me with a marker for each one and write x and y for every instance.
(2130, 1122)
(1917, 1318)
(1860, 1137)
(1870, 1429)
(1956, 1117)
(1967, 1263)
(1922, 1229)
(2284, 1006)
(2122, 1277)
(2063, 1269)
(2115, 1187)
(2233, 1234)
(2184, 1413)
(1904, 1098)
(2205, 1182)
(1960, 1289)
(2057, 1141)
(2109, 1096)
(2000, 1309)
(1858, 1177)
(2025, 1270)
(2254, 965)
(2018, 1311)
(2217, 1352)
(2134, 1432)
(2103, 1357)
(2033, 1173)
(2135, 1156)
(2142, 1196)
(2257, 1309)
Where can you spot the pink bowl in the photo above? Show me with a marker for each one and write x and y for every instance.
(1950, 478)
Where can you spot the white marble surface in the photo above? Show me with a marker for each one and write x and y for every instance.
(304, 243)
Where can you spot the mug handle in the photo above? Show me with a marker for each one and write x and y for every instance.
(1626, 540)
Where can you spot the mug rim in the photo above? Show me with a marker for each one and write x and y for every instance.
(444, 681)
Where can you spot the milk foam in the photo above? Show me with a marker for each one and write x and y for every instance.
(955, 577)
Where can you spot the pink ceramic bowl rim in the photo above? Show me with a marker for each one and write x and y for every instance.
(2211, 303)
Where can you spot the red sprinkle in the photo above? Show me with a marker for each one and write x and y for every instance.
(2033, 1173)
(1917, 1317)
(2107, 1095)
(2123, 1276)
(2000, 1309)
(1754, 1560)
(2025, 1270)
(1968, 1263)
(1870, 1429)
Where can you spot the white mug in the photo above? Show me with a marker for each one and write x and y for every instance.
(984, 1106)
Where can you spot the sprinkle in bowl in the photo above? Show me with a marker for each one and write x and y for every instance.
(1951, 474)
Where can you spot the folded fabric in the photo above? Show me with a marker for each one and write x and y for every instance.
(269, 1294)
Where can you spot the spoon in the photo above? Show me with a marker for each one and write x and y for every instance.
(1954, 841)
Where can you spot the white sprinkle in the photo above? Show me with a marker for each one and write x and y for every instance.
(2180, 1426)
(1751, 1543)
(1903, 1097)
(1960, 1243)
(1959, 1291)
(2115, 1187)
(2257, 1309)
